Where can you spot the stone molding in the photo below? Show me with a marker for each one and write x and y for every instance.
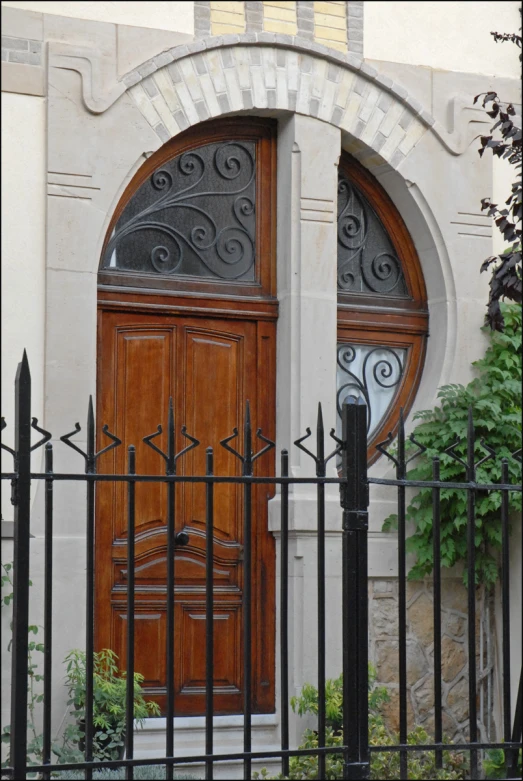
(98, 91)
(23, 79)
(229, 74)
(341, 88)
(292, 43)
(455, 142)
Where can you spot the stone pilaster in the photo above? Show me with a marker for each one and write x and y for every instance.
(307, 180)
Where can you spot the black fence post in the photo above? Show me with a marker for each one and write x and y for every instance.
(355, 501)
(22, 501)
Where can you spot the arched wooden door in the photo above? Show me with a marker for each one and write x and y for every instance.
(187, 310)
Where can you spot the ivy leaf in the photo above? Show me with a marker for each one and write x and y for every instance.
(495, 396)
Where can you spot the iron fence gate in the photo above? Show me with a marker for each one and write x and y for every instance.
(354, 484)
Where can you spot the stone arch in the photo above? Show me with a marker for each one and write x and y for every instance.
(263, 73)
(232, 73)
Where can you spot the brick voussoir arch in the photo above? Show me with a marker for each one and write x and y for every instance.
(226, 74)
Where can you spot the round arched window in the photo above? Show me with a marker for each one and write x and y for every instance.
(382, 304)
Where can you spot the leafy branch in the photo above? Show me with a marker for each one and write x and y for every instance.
(495, 397)
(505, 268)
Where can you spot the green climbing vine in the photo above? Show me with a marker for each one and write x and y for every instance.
(495, 398)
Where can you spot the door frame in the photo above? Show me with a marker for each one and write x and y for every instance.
(255, 302)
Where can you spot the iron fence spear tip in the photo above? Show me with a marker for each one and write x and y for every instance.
(23, 373)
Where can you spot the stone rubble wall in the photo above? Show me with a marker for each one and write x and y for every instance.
(383, 653)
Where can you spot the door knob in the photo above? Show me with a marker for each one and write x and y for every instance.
(182, 538)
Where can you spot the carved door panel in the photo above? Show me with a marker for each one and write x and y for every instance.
(209, 366)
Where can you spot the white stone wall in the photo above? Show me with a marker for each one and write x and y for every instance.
(446, 35)
(438, 34)
(176, 16)
(23, 254)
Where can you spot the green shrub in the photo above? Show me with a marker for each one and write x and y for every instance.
(145, 772)
(383, 765)
(495, 398)
(494, 763)
(34, 678)
(109, 706)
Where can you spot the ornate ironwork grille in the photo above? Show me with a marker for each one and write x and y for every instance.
(367, 261)
(194, 216)
(371, 374)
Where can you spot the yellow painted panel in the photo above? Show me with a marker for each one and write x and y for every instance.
(223, 29)
(282, 4)
(335, 9)
(278, 26)
(233, 8)
(342, 47)
(330, 33)
(338, 22)
(226, 18)
(285, 14)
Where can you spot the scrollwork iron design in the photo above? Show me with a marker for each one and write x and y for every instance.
(367, 262)
(195, 216)
(380, 372)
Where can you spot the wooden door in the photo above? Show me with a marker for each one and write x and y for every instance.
(210, 366)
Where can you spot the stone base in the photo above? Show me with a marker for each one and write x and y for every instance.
(189, 738)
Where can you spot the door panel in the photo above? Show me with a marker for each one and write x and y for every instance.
(217, 367)
(210, 367)
(143, 382)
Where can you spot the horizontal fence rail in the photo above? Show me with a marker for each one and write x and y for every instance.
(354, 483)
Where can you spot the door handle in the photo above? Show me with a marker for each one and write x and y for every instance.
(182, 538)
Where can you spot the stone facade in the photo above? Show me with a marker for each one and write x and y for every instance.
(383, 653)
(114, 94)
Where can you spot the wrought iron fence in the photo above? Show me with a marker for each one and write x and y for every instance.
(354, 485)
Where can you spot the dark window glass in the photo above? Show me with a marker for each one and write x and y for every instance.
(367, 262)
(195, 216)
